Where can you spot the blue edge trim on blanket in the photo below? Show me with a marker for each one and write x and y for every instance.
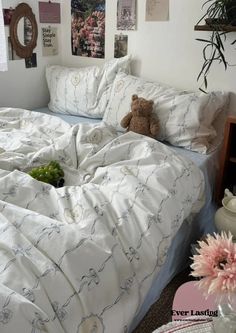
(188, 233)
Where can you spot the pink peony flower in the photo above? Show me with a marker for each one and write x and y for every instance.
(215, 263)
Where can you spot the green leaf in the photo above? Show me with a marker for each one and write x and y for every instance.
(202, 90)
(219, 42)
(203, 40)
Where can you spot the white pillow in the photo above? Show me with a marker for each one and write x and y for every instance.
(185, 118)
(83, 91)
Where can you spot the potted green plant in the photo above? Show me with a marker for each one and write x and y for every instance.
(220, 15)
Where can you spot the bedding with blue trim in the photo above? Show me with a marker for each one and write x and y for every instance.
(72, 120)
(189, 232)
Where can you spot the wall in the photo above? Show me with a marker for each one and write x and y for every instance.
(162, 51)
(21, 87)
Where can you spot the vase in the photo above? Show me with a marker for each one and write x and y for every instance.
(225, 217)
(225, 322)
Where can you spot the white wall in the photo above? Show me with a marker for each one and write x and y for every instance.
(21, 87)
(162, 51)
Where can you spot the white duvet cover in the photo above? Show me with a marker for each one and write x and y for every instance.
(81, 258)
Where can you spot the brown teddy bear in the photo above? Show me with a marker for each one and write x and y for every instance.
(141, 119)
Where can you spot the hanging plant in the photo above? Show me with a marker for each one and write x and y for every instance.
(219, 16)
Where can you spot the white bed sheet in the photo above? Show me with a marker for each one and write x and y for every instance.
(189, 232)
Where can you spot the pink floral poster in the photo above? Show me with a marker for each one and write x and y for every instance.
(88, 28)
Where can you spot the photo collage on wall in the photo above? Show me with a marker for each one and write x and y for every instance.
(88, 25)
(88, 28)
(126, 20)
(48, 13)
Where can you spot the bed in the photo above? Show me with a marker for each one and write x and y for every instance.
(189, 231)
(93, 255)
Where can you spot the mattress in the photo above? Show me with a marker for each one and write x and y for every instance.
(69, 118)
(191, 230)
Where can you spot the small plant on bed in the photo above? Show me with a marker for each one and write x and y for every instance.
(51, 173)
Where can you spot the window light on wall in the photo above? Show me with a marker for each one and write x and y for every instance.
(3, 48)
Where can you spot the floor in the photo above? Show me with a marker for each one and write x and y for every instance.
(160, 312)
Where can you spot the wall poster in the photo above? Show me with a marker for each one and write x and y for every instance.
(50, 41)
(88, 28)
(126, 14)
(31, 62)
(7, 15)
(121, 46)
(49, 12)
(157, 10)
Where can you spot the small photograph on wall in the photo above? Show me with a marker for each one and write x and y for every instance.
(31, 62)
(88, 28)
(121, 46)
(126, 14)
(157, 10)
(7, 15)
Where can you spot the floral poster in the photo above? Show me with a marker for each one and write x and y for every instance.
(88, 28)
(126, 15)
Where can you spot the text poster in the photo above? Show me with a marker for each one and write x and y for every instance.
(50, 41)
(126, 15)
(88, 28)
(157, 10)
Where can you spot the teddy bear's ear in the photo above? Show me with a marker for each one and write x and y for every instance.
(134, 97)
